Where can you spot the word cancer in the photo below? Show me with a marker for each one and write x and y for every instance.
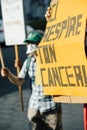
(74, 75)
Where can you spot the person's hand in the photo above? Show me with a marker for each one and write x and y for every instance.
(4, 72)
(17, 64)
(48, 14)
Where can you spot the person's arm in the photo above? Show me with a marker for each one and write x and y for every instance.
(5, 72)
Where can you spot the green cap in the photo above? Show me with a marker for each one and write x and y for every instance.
(34, 37)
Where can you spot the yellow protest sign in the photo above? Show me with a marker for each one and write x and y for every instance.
(63, 63)
(38, 74)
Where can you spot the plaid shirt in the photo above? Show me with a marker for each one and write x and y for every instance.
(37, 100)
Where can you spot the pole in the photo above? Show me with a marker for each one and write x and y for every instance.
(1, 57)
(85, 116)
(18, 70)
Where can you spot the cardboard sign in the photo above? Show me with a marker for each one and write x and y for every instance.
(38, 79)
(13, 21)
(70, 99)
(63, 63)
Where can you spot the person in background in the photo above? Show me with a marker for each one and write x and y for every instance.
(42, 111)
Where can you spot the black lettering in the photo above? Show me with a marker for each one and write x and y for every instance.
(46, 54)
(84, 75)
(69, 76)
(50, 78)
(72, 26)
(68, 25)
(60, 73)
(57, 31)
(56, 77)
(54, 9)
(52, 30)
(42, 76)
(40, 55)
(52, 53)
(64, 26)
(78, 75)
(78, 24)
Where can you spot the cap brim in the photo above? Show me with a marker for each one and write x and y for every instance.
(26, 41)
(31, 42)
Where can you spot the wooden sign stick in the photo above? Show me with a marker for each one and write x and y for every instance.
(1, 57)
(18, 70)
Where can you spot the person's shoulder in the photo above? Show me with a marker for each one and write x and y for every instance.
(25, 61)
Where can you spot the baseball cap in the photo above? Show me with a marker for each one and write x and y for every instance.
(34, 37)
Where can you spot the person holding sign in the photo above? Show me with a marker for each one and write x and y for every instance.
(42, 111)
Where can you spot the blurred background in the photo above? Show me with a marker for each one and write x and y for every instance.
(34, 11)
